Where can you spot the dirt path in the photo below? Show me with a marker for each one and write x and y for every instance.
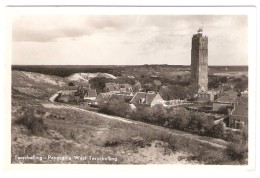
(212, 141)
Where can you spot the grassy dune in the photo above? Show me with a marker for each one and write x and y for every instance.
(56, 134)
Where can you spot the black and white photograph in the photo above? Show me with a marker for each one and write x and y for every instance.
(130, 88)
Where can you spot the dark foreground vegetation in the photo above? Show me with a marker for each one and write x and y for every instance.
(181, 119)
(135, 136)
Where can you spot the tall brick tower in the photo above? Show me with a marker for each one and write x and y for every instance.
(199, 61)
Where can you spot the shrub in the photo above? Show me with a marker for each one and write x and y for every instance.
(33, 122)
(178, 118)
(237, 152)
(71, 84)
(218, 130)
(231, 136)
(200, 122)
(115, 107)
(245, 133)
(156, 114)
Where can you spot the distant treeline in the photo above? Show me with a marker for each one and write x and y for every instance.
(66, 70)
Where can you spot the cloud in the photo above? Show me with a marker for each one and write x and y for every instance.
(135, 39)
(48, 28)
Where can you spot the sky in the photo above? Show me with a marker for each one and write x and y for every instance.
(126, 40)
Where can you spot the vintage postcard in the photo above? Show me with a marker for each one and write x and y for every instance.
(132, 85)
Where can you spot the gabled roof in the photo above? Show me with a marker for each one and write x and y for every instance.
(125, 97)
(231, 93)
(227, 99)
(67, 92)
(92, 93)
(111, 88)
(228, 96)
(241, 110)
(142, 95)
(104, 95)
(150, 97)
(137, 97)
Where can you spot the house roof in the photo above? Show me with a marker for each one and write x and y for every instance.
(231, 93)
(227, 99)
(125, 97)
(147, 96)
(104, 95)
(92, 93)
(137, 97)
(67, 92)
(241, 110)
(154, 76)
(150, 97)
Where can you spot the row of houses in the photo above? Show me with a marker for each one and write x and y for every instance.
(232, 106)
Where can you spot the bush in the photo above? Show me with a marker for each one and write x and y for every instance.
(99, 83)
(218, 130)
(231, 136)
(156, 114)
(115, 107)
(178, 118)
(237, 152)
(245, 133)
(33, 122)
(71, 84)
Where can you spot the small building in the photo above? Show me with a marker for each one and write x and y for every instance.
(239, 117)
(102, 97)
(244, 93)
(143, 98)
(91, 96)
(154, 77)
(227, 96)
(206, 96)
(220, 106)
(121, 96)
(66, 96)
(118, 87)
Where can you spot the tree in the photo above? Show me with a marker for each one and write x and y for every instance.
(123, 80)
(173, 92)
(240, 86)
(71, 84)
(191, 91)
(115, 107)
(157, 114)
(99, 83)
(204, 123)
(218, 130)
(178, 118)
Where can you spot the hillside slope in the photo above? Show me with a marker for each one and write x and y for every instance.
(36, 84)
(85, 77)
(42, 128)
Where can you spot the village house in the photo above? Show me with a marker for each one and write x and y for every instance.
(103, 97)
(118, 87)
(238, 118)
(206, 96)
(122, 96)
(149, 98)
(91, 96)
(66, 96)
(173, 103)
(236, 108)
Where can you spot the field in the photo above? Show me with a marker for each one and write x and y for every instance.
(62, 133)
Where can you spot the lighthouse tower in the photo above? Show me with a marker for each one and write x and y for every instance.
(199, 61)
